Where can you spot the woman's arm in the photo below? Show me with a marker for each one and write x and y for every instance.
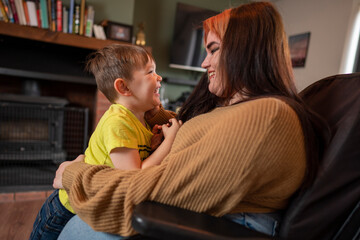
(104, 197)
(253, 151)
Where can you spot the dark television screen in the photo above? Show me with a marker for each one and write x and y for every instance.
(187, 51)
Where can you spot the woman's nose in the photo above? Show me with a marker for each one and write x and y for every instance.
(205, 63)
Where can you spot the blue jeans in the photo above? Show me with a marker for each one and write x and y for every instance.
(78, 229)
(51, 219)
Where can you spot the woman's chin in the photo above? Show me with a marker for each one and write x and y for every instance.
(215, 91)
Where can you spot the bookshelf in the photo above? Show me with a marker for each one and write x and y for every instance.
(44, 35)
(37, 53)
(53, 59)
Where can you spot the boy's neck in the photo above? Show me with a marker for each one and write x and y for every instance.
(139, 113)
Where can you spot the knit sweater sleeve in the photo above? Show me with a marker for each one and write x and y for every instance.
(104, 197)
(244, 158)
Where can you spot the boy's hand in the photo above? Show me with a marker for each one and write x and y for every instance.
(171, 128)
(157, 138)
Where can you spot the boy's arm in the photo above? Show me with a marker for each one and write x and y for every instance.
(125, 158)
(160, 153)
(129, 158)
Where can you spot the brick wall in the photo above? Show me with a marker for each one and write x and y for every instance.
(102, 104)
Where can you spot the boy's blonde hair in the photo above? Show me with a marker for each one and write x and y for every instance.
(116, 61)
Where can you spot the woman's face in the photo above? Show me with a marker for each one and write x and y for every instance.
(210, 63)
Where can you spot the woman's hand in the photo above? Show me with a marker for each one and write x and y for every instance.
(57, 183)
(171, 128)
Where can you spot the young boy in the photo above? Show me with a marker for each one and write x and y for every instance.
(126, 75)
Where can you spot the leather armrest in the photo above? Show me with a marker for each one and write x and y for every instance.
(161, 221)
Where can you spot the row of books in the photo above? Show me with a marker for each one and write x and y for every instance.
(50, 14)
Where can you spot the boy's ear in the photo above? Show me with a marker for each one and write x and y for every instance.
(121, 87)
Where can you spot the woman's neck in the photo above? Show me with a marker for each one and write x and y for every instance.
(237, 97)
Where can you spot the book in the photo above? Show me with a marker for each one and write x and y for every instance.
(26, 11)
(48, 4)
(71, 16)
(53, 15)
(31, 8)
(20, 12)
(76, 26)
(2, 11)
(13, 10)
(89, 21)
(8, 10)
(82, 16)
(9, 13)
(99, 32)
(38, 13)
(65, 23)
(4, 16)
(84, 22)
(59, 15)
(44, 14)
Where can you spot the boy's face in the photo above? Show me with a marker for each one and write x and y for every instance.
(145, 86)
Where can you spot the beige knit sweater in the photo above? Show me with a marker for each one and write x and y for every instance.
(248, 157)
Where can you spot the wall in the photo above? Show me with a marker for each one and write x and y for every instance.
(329, 22)
(159, 17)
(121, 11)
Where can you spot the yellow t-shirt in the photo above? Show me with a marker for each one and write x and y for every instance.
(118, 127)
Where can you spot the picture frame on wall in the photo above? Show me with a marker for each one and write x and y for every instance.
(299, 45)
(117, 31)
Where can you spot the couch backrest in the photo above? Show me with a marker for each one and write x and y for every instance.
(320, 211)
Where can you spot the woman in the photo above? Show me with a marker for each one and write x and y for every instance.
(245, 158)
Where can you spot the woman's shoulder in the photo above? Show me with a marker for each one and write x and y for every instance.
(265, 105)
(264, 111)
(270, 101)
(261, 111)
(278, 108)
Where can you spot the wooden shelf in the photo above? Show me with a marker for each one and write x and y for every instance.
(31, 52)
(47, 76)
(44, 35)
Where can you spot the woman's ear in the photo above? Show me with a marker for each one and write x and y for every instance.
(121, 87)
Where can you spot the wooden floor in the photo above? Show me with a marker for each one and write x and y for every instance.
(17, 218)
